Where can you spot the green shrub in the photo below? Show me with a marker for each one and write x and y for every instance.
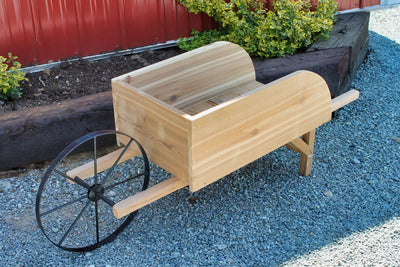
(289, 26)
(10, 78)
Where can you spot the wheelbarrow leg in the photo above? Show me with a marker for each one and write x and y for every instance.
(306, 158)
(304, 146)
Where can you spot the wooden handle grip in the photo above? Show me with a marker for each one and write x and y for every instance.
(147, 196)
(344, 99)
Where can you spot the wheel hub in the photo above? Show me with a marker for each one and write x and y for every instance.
(94, 191)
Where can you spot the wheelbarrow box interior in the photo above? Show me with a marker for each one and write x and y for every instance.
(202, 115)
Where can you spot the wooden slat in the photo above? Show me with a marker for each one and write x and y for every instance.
(305, 158)
(235, 91)
(193, 110)
(344, 99)
(162, 130)
(223, 97)
(103, 163)
(304, 146)
(235, 133)
(148, 196)
(299, 146)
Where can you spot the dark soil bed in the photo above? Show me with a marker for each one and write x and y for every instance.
(79, 78)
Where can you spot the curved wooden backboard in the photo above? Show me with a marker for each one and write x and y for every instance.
(192, 77)
(233, 134)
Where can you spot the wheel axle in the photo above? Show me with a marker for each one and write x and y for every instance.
(95, 191)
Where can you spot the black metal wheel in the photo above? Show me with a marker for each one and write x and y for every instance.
(75, 213)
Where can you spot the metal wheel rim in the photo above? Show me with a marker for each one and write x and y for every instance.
(64, 153)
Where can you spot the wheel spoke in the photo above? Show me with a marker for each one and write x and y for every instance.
(82, 182)
(95, 159)
(73, 223)
(107, 200)
(97, 221)
(116, 162)
(64, 175)
(63, 205)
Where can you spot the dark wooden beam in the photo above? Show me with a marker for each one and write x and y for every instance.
(39, 134)
(331, 64)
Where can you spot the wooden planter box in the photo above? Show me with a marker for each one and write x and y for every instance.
(202, 115)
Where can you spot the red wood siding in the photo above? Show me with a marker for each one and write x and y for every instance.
(366, 3)
(41, 30)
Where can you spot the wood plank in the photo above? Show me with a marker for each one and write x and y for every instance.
(220, 98)
(103, 163)
(344, 99)
(300, 146)
(240, 131)
(195, 109)
(235, 91)
(148, 196)
(162, 130)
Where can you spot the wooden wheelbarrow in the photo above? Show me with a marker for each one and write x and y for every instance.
(200, 116)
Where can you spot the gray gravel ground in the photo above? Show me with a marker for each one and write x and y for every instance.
(346, 212)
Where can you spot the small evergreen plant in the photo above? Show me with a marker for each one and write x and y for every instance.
(289, 26)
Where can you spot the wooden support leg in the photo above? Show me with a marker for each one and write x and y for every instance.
(304, 146)
(306, 159)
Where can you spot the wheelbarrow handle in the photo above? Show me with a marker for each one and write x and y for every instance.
(344, 99)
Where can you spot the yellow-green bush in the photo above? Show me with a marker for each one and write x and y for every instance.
(10, 78)
(289, 26)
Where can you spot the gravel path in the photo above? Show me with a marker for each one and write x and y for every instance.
(346, 212)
